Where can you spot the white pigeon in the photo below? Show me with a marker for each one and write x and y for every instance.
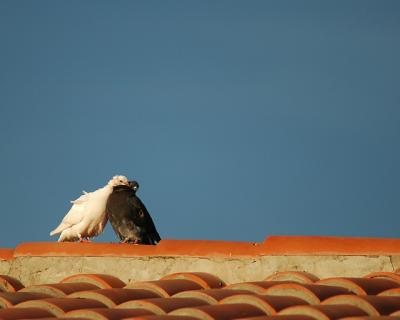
(87, 216)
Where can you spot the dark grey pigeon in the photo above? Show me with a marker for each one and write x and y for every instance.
(129, 217)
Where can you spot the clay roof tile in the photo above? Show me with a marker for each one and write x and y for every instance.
(107, 314)
(166, 288)
(325, 312)
(162, 305)
(390, 292)
(211, 296)
(293, 276)
(372, 305)
(258, 287)
(23, 313)
(10, 284)
(103, 281)
(268, 304)
(385, 275)
(58, 290)
(113, 297)
(161, 317)
(220, 311)
(9, 299)
(312, 293)
(361, 286)
(206, 280)
(6, 254)
(372, 318)
(59, 306)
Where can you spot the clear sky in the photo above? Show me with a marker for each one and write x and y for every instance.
(239, 119)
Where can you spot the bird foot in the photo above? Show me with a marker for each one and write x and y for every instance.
(135, 242)
(85, 239)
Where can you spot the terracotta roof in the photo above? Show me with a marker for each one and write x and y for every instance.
(273, 245)
(6, 254)
(141, 282)
(177, 297)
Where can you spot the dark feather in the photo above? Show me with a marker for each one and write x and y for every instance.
(129, 217)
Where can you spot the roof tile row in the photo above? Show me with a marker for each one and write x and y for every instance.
(198, 295)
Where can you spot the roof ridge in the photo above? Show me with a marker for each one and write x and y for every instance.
(272, 245)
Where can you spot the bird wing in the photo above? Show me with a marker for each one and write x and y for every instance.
(83, 198)
(143, 219)
(73, 217)
(138, 211)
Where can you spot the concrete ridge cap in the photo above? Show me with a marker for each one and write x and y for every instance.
(272, 246)
(330, 245)
(6, 253)
(166, 248)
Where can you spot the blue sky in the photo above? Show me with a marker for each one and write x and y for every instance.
(239, 119)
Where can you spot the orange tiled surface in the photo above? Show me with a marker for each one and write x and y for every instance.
(274, 245)
(184, 296)
(6, 254)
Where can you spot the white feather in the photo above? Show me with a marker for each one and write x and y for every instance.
(87, 216)
(83, 198)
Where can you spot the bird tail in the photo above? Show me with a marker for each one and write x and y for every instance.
(52, 233)
(59, 229)
(68, 235)
(154, 238)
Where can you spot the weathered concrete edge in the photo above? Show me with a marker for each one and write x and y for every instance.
(5, 266)
(40, 270)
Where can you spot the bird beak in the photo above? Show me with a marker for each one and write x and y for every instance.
(132, 185)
